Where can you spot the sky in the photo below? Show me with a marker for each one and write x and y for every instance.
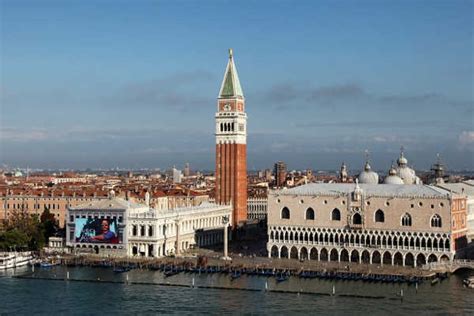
(134, 84)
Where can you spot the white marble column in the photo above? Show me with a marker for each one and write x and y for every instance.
(178, 246)
(226, 223)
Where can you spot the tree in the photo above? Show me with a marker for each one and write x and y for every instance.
(49, 224)
(14, 239)
(28, 231)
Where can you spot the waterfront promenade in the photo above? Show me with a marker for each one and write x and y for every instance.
(212, 259)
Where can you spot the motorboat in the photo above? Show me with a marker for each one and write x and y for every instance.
(46, 264)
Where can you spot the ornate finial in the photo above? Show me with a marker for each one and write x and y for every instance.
(230, 53)
(402, 149)
(367, 154)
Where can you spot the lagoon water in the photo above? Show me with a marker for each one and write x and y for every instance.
(100, 290)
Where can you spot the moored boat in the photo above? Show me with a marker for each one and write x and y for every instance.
(121, 269)
(469, 282)
(235, 275)
(46, 264)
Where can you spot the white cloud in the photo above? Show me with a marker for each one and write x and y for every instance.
(466, 140)
(17, 134)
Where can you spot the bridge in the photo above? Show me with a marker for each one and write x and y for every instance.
(450, 266)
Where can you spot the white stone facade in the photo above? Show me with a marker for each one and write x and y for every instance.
(159, 233)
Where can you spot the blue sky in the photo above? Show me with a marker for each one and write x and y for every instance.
(134, 83)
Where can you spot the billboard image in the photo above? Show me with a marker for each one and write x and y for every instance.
(96, 230)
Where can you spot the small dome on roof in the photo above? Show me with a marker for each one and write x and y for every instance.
(368, 176)
(402, 161)
(392, 177)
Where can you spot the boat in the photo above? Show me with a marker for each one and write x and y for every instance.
(10, 260)
(235, 275)
(469, 282)
(121, 269)
(172, 271)
(282, 277)
(46, 264)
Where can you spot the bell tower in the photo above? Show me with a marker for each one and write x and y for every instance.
(231, 145)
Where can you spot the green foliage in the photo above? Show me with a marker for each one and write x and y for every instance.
(28, 232)
(14, 240)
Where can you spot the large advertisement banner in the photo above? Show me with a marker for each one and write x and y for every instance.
(96, 230)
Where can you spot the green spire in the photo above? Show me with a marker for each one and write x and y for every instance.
(231, 84)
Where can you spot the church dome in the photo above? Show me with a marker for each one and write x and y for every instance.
(392, 177)
(407, 175)
(402, 161)
(368, 176)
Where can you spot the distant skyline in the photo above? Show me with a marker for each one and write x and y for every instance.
(131, 84)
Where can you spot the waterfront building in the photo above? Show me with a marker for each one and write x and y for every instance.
(231, 145)
(101, 225)
(56, 245)
(171, 232)
(366, 223)
(118, 227)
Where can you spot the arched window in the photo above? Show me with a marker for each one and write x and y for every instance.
(379, 216)
(285, 213)
(406, 220)
(222, 127)
(142, 230)
(134, 230)
(150, 231)
(310, 214)
(356, 219)
(436, 221)
(336, 215)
